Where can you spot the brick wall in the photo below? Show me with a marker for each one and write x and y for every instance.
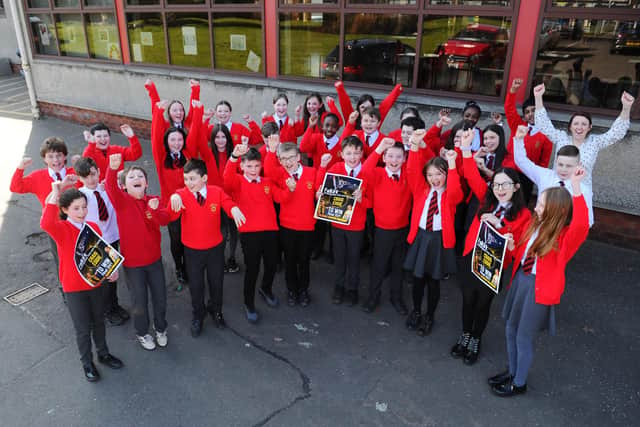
(141, 127)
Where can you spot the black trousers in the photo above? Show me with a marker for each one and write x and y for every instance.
(211, 262)
(319, 233)
(297, 254)
(111, 299)
(257, 246)
(56, 260)
(476, 300)
(389, 250)
(433, 293)
(87, 314)
(229, 233)
(177, 248)
(142, 281)
(346, 252)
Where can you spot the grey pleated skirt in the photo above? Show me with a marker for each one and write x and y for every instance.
(426, 255)
(520, 305)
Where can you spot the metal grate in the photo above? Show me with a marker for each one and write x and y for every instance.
(26, 294)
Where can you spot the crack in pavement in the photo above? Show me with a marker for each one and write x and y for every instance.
(306, 382)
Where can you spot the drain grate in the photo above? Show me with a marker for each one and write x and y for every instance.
(26, 294)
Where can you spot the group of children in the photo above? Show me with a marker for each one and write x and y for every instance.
(423, 195)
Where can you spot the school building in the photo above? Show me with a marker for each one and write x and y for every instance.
(88, 60)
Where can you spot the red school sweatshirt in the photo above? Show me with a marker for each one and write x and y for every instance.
(37, 182)
(129, 154)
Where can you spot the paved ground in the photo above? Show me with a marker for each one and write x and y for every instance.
(320, 366)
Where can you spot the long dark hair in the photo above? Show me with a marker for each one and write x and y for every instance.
(67, 197)
(305, 112)
(461, 125)
(365, 97)
(517, 200)
(501, 151)
(168, 160)
(214, 148)
(184, 111)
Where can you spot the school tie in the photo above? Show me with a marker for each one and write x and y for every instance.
(352, 173)
(103, 214)
(254, 181)
(395, 177)
(104, 152)
(366, 139)
(326, 142)
(499, 212)
(176, 160)
(527, 267)
(295, 177)
(58, 176)
(490, 161)
(561, 184)
(200, 198)
(281, 123)
(433, 210)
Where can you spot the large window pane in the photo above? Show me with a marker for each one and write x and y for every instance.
(142, 2)
(98, 3)
(600, 3)
(471, 2)
(464, 53)
(146, 37)
(379, 48)
(309, 44)
(237, 39)
(189, 39)
(185, 2)
(588, 62)
(383, 2)
(310, 2)
(102, 33)
(44, 34)
(38, 4)
(236, 1)
(71, 35)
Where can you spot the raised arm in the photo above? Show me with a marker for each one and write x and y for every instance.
(543, 122)
(471, 173)
(19, 183)
(343, 98)
(194, 96)
(111, 182)
(157, 133)
(195, 130)
(331, 104)
(513, 118)
(134, 151)
(619, 127)
(387, 103)
(153, 94)
(528, 167)
(578, 228)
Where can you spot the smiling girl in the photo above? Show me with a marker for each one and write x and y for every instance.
(280, 117)
(579, 134)
(502, 206)
(63, 218)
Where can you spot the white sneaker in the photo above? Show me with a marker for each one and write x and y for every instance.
(146, 342)
(161, 338)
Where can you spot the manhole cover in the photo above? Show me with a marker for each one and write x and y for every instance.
(26, 294)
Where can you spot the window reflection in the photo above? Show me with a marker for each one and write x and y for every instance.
(597, 3)
(305, 40)
(189, 39)
(237, 41)
(71, 35)
(377, 49)
(471, 2)
(102, 34)
(588, 62)
(44, 34)
(464, 54)
(146, 37)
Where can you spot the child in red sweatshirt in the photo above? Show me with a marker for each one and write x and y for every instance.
(99, 147)
(139, 221)
(255, 196)
(200, 207)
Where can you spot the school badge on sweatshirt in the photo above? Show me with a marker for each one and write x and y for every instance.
(309, 185)
(266, 189)
(213, 207)
(148, 215)
(538, 144)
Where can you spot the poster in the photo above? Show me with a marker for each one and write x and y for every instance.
(238, 42)
(488, 256)
(189, 41)
(146, 38)
(336, 203)
(253, 61)
(95, 259)
(137, 52)
(44, 34)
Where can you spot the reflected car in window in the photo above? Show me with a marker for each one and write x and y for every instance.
(626, 39)
(366, 60)
(476, 46)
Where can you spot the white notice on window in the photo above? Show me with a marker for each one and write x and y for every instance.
(44, 34)
(238, 41)
(253, 61)
(146, 38)
(189, 41)
(137, 52)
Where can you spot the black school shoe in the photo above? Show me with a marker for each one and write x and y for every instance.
(91, 374)
(110, 361)
(304, 298)
(113, 318)
(473, 351)
(425, 326)
(218, 320)
(501, 378)
(124, 314)
(413, 320)
(460, 347)
(508, 389)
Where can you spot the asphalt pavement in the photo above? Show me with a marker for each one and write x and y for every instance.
(324, 365)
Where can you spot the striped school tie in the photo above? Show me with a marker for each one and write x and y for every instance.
(281, 124)
(200, 198)
(103, 214)
(58, 176)
(500, 212)
(561, 184)
(176, 160)
(395, 177)
(433, 210)
(352, 173)
(527, 267)
(295, 177)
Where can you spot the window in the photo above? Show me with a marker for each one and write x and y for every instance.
(431, 45)
(588, 53)
(218, 34)
(74, 29)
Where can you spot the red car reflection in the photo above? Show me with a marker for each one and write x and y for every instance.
(478, 45)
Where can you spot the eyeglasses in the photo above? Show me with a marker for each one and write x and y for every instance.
(502, 185)
(288, 159)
